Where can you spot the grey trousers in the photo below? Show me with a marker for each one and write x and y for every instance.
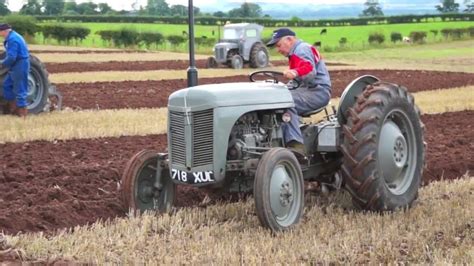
(306, 99)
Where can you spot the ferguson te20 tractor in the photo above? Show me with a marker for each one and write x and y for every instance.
(242, 43)
(228, 137)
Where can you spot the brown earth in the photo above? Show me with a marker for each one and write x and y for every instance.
(133, 65)
(46, 186)
(140, 65)
(89, 51)
(136, 94)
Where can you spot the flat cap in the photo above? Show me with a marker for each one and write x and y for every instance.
(5, 26)
(278, 34)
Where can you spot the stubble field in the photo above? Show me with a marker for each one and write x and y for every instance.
(54, 193)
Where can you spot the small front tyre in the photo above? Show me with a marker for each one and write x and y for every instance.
(146, 184)
(278, 190)
(237, 62)
(211, 62)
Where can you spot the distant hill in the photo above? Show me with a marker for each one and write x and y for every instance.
(308, 11)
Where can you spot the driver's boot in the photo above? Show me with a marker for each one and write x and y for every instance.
(22, 112)
(297, 146)
(9, 108)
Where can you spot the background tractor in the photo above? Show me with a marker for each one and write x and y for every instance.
(41, 94)
(241, 43)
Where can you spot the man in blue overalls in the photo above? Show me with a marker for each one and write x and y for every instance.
(15, 85)
(308, 68)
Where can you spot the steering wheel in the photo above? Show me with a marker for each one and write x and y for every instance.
(272, 76)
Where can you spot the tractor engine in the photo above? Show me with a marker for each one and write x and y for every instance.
(250, 132)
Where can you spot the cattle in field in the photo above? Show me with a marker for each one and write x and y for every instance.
(323, 31)
(406, 39)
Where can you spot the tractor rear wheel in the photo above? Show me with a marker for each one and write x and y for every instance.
(278, 190)
(38, 85)
(146, 184)
(258, 56)
(383, 148)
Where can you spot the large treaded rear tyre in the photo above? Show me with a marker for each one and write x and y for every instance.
(258, 56)
(383, 148)
(38, 85)
(278, 190)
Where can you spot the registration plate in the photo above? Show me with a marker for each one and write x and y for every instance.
(192, 177)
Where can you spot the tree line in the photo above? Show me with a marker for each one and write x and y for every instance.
(372, 8)
(153, 8)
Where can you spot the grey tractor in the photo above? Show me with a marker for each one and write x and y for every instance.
(228, 138)
(241, 44)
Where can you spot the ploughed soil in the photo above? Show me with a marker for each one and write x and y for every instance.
(88, 51)
(46, 186)
(141, 94)
(135, 65)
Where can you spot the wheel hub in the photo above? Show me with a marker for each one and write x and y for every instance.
(146, 192)
(286, 194)
(392, 152)
(399, 152)
(261, 58)
(32, 89)
(281, 192)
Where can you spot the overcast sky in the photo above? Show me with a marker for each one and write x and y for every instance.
(15, 5)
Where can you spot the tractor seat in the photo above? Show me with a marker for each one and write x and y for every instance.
(313, 112)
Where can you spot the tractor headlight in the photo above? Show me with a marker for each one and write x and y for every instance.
(286, 117)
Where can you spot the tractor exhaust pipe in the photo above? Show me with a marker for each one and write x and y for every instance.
(192, 70)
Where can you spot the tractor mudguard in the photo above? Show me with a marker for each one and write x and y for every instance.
(350, 93)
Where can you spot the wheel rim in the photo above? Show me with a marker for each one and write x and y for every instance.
(147, 195)
(211, 62)
(237, 62)
(261, 58)
(284, 194)
(35, 89)
(397, 152)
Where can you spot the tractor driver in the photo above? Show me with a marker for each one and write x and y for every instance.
(307, 67)
(15, 85)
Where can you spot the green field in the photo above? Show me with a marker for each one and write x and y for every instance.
(357, 36)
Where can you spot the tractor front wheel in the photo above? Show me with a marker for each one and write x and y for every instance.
(211, 62)
(383, 148)
(278, 190)
(237, 62)
(146, 184)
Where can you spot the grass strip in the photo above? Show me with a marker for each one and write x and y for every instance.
(101, 57)
(113, 123)
(104, 76)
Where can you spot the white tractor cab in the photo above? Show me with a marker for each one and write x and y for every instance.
(242, 43)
